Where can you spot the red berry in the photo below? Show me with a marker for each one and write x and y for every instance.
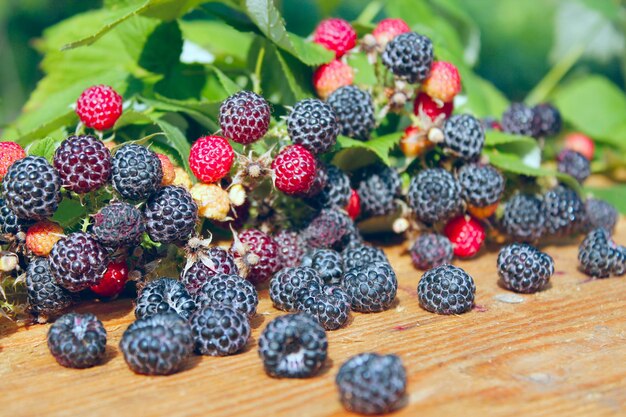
(258, 253)
(389, 28)
(336, 35)
(430, 107)
(41, 237)
(113, 280)
(294, 170)
(414, 142)
(329, 77)
(466, 234)
(9, 153)
(211, 158)
(244, 117)
(99, 107)
(354, 205)
(580, 143)
(444, 81)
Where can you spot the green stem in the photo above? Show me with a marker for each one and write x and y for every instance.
(369, 13)
(256, 78)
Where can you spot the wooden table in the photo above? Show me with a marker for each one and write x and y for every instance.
(561, 352)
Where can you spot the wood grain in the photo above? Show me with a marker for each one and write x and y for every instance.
(558, 352)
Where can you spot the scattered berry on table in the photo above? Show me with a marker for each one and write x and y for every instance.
(370, 383)
(244, 117)
(466, 235)
(207, 263)
(332, 76)
(430, 250)
(443, 82)
(378, 189)
(164, 295)
(99, 107)
(371, 287)
(434, 195)
(523, 219)
(574, 164)
(258, 253)
(219, 330)
(169, 170)
(329, 305)
(77, 340)
(284, 286)
(45, 297)
(10, 224)
(389, 28)
(291, 247)
(409, 56)
(354, 110)
(293, 346)
(580, 143)
(136, 172)
(327, 229)
(171, 215)
(564, 211)
(599, 256)
(328, 264)
(600, 214)
(157, 345)
(41, 237)
(211, 158)
(9, 153)
(228, 290)
(463, 136)
(32, 188)
(547, 120)
(118, 224)
(446, 289)
(482, 187)
(424, 104)
(336, 35)
(523, 268)
(78, 261)
(313, 124)
(336, 193)
(362, 255)
(83, 163)
(294, 170)
(518, 120)
(113, 280)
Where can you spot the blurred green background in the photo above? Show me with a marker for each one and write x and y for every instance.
(515, 42)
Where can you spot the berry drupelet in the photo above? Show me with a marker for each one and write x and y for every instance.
(77, 340)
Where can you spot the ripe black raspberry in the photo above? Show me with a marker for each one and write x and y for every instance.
(336, 192)
(518, 120)
(284, 286)
(171, 215)
(136, 172)
(313, 124)
(10, 224)
(434, 195)
(361, 255)
(371, 287)
(77, 340)
(219, 330)
(546, 120)
(330, 306)
(244, 117)
(463, 136)
(446, 289)
(118, 224)
(354, 110)
(328, 264)
(600, 214)
(164, 295)
(574, 164)
(523, 219)
(83, 163)
(291, 247)
(409, 56)
(157, 345)
(45, 297)
(370, 383)
(327, 228)
(430, 250)
(208, 263)
(293, 346)
(32, 188)
(378, 189)
(564, 211)
(78, 261)
(229, 290)
(599, 257)
(524, 268)
(481, 185)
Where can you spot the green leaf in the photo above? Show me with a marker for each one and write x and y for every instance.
(44, 147)
(176, 139)
(495, 137)
(69, 213)
(290, 69)
(615, 194)
(228, 46)
(363, 71)
(381, 146)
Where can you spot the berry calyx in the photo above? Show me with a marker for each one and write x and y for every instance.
(424, 104)
(211, 158)
(9, 153)
(580, 143)
(99, 107)
(113, 280)
(336, 35)
(389, 28)
(332, 76)
(444, 81)
(354, 205)
(294, 170)
(41, 237)
(414, 142)
(466, 234)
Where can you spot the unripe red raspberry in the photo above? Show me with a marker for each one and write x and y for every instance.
(99, 107)
(113, 280)
(336, 35)
(430, 107)
(466, 234)
(294, 170)
(211, 158)
(444, 81)
(354, 205)
(580, 143)
(9, 153)
(389, 28)
(329, 77)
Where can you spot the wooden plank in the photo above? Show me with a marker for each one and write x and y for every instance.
(558, 352)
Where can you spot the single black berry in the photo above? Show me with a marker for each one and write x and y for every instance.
(284, 286)
(371, 287)
(600, 214)
(83, 163)
(136, 172)
(518, 120)
(599, 256)
(228, 290)
(45, 297)
(329, 305)
(77, 340)
(171, 215)
(481, 185)
(10, 224)
(244, 117)
(327, 228)
(361, 255)
(118, 224)
(575, 164)
(78, 261)
(219, 330)
(523, 268)
(409, 56)
(564, 211)
(354, 110)
(336, 192)
(430, 250)
(463, 136)
(523, 219)
(328, 264)
(434, 195)
(446, 289)
(378, 189)
(164, 295)
(208, 263)
(313, 124)
(546, 121)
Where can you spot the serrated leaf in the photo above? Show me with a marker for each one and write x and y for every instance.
(176, 139)
(495, 137)
(44, 147)
(69, 213)
(615, 194)
(381, 146)
(295, 83)
(228, 46)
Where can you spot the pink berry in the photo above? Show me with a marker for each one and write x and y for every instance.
(354, 205)
(113, 280)
(580, 143)
(211, 158)
(336, 35)
(99, 107)
(9, 153)
(330, 77)
(259, 254)
(430, 107)
(294, 170)
(466, 234)
(444, 81)
(244, 117)
(389, 28)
